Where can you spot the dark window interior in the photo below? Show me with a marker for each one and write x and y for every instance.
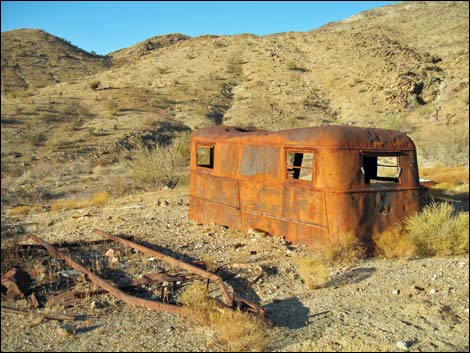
(299, 165)
(205, 156)
(380, 169)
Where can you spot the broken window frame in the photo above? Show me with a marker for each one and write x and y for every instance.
(209, 166)
(373, 178)
(289, 170)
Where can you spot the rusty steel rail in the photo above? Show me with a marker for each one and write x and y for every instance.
(233, 301)
(128, 299)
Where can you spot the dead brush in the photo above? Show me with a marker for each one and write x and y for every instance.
(235, 331)
(97, 199)
(315, 273)
(338, 250)
(25, 210)
(342, 249)
(394, 243)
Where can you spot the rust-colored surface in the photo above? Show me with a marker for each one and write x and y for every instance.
(250, 183)
(15, 284)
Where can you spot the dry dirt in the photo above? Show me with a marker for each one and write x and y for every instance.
(378, 305)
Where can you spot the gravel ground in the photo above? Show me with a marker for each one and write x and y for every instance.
(378, 305)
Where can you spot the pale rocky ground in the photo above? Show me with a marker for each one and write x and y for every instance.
(378, 305)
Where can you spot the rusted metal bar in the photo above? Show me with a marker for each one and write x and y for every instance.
(157, 306)
(233, 301)
(50, 316)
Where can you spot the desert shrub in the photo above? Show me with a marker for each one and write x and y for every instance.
(394, 243)
(292, 65)
(236, 331)
(446, 146)
(94, 85)
(314, 273)
(438, 230)
(342, 249)
(37, 139)
(156, 167)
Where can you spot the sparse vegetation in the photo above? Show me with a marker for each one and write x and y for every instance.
(292, 65)
(394, 243)
(315, 273)
(439, 230)
(97, 199)
(445, 146)
(94, 85)
(157, 167)
(235, 331)
(340, 250)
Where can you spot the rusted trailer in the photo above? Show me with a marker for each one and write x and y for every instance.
(304, 184)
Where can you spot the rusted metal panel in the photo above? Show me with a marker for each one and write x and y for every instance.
(342, 190)
(209, 187)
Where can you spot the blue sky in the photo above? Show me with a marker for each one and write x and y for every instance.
(105, 26)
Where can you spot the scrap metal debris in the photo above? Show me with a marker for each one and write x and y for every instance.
(15, 284)
(166, 284)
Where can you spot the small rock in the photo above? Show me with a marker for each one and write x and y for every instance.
(433, 291)
(403, 345)
(67, 330)
(396, 292)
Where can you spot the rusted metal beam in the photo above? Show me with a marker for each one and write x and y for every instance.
(49, 316)
(154, 305)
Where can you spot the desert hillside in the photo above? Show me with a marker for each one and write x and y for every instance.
(91, 141)
(34, 58)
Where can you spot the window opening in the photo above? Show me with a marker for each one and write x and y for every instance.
(299, 165)
(205, 156)
(381, 169)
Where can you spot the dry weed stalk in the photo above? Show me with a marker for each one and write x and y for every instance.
(236, 331)
(394, 243)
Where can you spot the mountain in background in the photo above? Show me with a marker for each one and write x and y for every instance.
(402, 66)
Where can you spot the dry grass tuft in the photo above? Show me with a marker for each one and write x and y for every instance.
(393, 243)
(343, 249)
(450, 175)
(100, 198)
(235, 331)
(439, 230)
(97, 199)
(315, 273)
(338, 250)
(24, 210)
(211, 265)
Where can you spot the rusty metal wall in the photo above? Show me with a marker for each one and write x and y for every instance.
(248, 188)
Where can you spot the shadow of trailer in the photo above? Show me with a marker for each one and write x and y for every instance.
(304, 184)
